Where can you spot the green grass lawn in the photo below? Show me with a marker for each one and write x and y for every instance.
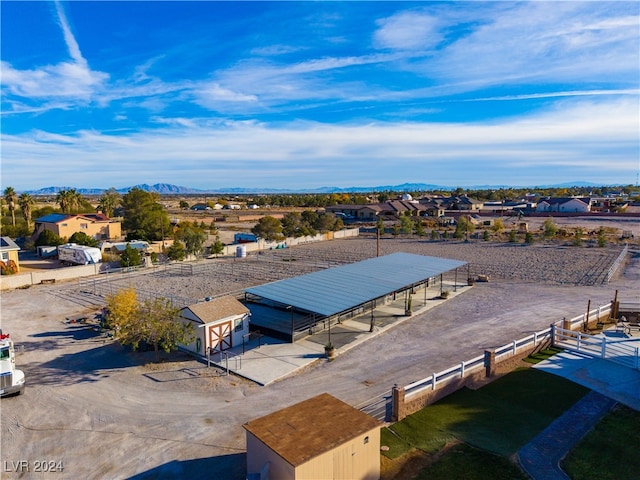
(610, 450)
(499, 418)
(465, 462)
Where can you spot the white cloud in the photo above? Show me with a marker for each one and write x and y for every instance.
(408, 31)
(586, 140)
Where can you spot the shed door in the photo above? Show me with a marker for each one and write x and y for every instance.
(220, 336)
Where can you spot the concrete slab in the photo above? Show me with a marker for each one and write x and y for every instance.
(608, 378)
(267, 360)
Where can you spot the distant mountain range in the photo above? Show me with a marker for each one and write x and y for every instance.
(168, 189)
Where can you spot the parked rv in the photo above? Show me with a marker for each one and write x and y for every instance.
(73, 254)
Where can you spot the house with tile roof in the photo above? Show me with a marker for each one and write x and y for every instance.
(219, 324)
(95, 225)
(321, 437)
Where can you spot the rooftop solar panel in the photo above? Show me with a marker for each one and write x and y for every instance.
(331, 291)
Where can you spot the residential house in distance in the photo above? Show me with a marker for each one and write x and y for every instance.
(9, 255)
(95, 225)
(566, 205)
(219, 324)
(321, 437)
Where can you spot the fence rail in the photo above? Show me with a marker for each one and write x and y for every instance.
(621, 352)
(616, 264)
(467, 367)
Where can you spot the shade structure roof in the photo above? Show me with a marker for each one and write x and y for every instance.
(335, 290)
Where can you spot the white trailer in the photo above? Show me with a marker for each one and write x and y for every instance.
(11, 379)
(73, 254)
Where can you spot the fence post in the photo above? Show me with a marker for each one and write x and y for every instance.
(490, 363)
(553, 335)
(535, 339)
(397, 403)
(462, 369)
(515, 348)
(433, 381)
(604, 347)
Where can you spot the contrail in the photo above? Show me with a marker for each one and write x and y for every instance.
(72, 45)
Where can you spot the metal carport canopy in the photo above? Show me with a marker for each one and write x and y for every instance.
(335, 290)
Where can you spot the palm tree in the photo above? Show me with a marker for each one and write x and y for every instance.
(109, 201)
(69, 200)
(26, 203)
(10, 197)
(63, 199)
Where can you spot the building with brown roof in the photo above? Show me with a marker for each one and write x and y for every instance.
(220, 324)
(319, 438)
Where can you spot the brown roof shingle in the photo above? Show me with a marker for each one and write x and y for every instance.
(218, 308)
(307, 429)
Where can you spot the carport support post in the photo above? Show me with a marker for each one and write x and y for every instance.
(371, 325)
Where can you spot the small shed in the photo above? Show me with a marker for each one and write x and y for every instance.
(321, 437)
(220, 324)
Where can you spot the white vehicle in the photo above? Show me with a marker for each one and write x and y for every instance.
(73, 254)
(11, 380)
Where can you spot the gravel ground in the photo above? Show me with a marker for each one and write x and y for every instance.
(548, 264)
(107, 413)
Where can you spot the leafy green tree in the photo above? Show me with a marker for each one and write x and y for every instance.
(154, 321)
(218, 247)
(338, 225)
(131, 257)
(464, 227)
(82, 238)
(269, 228)
(144, 217)
(47, 237)
(406, 224)
(10, 196)
(486, 236)
(192, 236)
(550, 229)
(109, 202)
(183, 204)
(293, 225)
(498, 226)
(512, 236)
(419, 228)
(26, 203)
(434, 234)
(177, 251)
(396, 229)
(528, 238)
(324, 223)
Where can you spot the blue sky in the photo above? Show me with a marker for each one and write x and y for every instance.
(312, 94)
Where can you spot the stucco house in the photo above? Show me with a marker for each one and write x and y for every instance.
(219, 324)
(9, 255)
(321, 437)
(559, 204)
(95, 225)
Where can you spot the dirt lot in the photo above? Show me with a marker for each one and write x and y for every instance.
(107, 413)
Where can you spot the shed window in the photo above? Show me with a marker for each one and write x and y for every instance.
(4, 256)
(238, 325)
(84, 226)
